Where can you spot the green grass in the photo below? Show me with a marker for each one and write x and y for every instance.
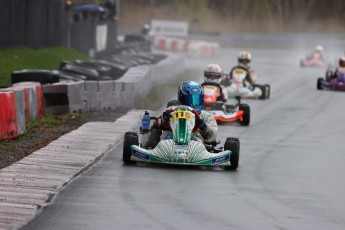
(26, 58)
(46, 122)
(162, 93)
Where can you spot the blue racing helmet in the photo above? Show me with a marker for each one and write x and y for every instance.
(190, 93)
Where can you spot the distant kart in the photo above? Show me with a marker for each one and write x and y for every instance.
(312, 63)
(259, 91)
(224, 113)
(332, 81)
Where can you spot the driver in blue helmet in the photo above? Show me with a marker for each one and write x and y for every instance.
(190, 93)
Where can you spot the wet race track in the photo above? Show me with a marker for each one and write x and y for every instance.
(290, 176)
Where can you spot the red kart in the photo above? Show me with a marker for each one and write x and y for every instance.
(224, 113)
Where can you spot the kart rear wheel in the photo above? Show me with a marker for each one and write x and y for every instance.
(173, 103)
(267, 90)
(233, 144)
(263, 90)
(329, 74)
(246, 114)
(319, 83)
(153, 139)
(130, 138)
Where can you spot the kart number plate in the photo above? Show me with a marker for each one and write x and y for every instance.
(239, 71)
(210, 90)
(183, 115)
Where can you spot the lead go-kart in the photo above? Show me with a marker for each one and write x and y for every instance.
(332, 81)
(224, 113)
(182, 148)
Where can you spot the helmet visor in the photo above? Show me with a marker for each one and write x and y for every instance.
(195, 101)
(213, 76)
(244, 61)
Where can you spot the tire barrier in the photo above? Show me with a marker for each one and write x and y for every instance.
(64, 97)
(20, 108)
(203, 50)
(33, 98)
(27, 99)
(36, 75)
(8, 117)
(194, 48)
(89, 73)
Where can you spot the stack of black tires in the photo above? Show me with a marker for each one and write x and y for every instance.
(134, 51)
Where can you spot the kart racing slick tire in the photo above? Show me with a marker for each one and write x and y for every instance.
(267, 91)
(246, 114)
(319, 83)
(173, 103)
(263, 90)
(233, 144)
(329, 74)
(153, 139)
(130, 138)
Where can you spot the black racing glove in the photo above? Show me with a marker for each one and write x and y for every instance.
(200, 123)
(166, 115)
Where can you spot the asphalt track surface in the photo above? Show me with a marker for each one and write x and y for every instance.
(291, 172)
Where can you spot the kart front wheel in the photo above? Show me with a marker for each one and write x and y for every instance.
(246, 114)
(233, 144)
(130, 138)
(319, 83)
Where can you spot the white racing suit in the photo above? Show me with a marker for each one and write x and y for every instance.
(240, 82)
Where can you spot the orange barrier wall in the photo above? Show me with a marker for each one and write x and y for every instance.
(8, 117)
(33, 98)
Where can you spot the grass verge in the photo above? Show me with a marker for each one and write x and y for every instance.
(26, 58)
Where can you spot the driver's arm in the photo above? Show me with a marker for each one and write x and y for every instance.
(210, 133)
(249, 79)
(228, 79)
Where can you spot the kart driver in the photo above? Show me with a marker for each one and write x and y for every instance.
(214, 74)
(242, 78)
(341, 68)
(317, 54)
(191, 94)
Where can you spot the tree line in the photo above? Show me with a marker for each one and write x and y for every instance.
(293, 13)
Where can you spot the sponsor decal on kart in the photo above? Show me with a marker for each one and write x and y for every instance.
(221, 159)
(181, 152)
(140, 155)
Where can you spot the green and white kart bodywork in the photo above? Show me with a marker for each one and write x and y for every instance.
(182, 148)
(170, 152)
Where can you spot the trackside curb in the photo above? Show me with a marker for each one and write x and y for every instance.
(28, 184)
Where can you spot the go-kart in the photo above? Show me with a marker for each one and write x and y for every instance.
(237, 88)
(222, 112)
(309, 62)
(181, 148)
(332, 81)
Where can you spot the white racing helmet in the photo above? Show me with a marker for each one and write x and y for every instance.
(319, 48)
(244, 59)
(213, 73)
